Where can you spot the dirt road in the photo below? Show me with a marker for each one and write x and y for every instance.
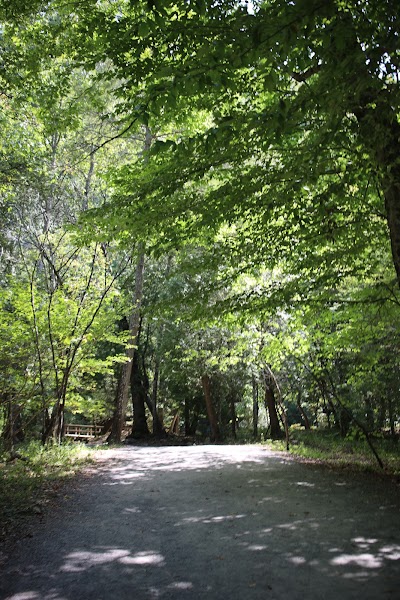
(213, 522)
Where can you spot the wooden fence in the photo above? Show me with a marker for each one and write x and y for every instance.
(82, 432)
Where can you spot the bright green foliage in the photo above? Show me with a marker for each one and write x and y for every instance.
(272, 184)
(51, 332)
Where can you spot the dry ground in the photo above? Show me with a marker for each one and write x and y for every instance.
(212, 522)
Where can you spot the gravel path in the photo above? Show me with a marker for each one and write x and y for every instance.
(213, 522)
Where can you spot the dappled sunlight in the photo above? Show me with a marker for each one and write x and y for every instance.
(210, 519)
(141, 462)
(368, 561)
(368, 553)
(78, 561)
(181, 585)
(304, 484)
(182, 522)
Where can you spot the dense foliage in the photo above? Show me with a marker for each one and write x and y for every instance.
(210, 194)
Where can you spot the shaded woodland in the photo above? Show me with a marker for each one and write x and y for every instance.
(199, 218)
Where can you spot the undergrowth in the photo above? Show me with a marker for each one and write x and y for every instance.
(33, 478)
(350, 452)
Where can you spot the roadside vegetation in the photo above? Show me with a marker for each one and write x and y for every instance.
(352, 452)
(34, 478)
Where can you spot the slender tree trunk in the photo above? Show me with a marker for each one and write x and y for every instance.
(212, 415)
(302, 412)
(123, 386)
(187, 417)
(157, 427)
(233, 419)
(13, 431)
(369, 413)
(381, 413)
(88, 181)
(255, 406)
(391, 417)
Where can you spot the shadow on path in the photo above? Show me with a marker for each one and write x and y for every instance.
(218, 522)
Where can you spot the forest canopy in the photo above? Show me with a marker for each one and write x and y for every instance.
(200, 211)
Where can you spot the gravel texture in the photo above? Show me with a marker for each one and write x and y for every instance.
(212, 522)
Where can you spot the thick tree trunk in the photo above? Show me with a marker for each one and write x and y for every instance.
(212, 415)
(270, 405)
(392, 205)
(380, 132)
(139, 394)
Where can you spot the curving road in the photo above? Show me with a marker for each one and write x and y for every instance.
(213, 522)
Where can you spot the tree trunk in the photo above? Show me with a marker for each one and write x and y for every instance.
(302, 412)
(121, 401)
(13, 432)
(391, 417)
(392, 205)
(157, 425)
(270, 405)
(380, 131)
(139, 394)
(369, 412)
(233, 419)
(191, 422)
(212, 415)
(255, 407)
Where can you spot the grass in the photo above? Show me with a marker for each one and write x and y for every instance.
(30, 482)
(327, 446)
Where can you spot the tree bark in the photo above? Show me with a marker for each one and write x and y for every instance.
(233, 418)
(139, 394)
(270, 405)
(212, 415)
(121, 401)
(302, 412)
(255, 406)
(157, 426)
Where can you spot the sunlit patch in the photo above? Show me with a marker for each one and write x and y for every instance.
(125, 478)
(77, 562)
(222, 518)
(367, 560)
(362, 541)
(297, 560)
(143, 558)
(209, 519)
(391, 552)
(145, 461)
(305, 484)
(25, 596)
(181, 585)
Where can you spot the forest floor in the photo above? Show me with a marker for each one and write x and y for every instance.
(212, 522)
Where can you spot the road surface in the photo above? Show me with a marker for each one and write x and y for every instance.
(215, 523)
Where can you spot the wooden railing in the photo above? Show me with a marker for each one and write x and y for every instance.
(82, 432)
